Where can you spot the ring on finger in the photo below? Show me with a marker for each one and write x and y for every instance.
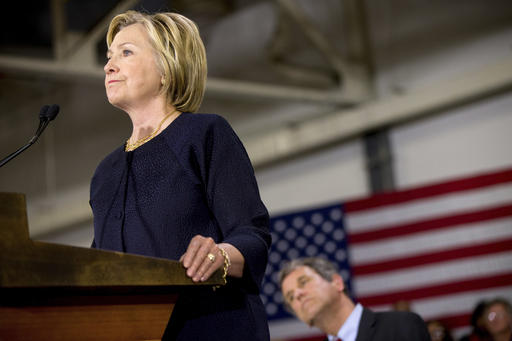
(211, 257)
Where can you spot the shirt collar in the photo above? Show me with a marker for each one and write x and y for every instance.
(348, 331)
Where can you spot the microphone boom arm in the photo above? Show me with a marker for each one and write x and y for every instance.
(46, 115)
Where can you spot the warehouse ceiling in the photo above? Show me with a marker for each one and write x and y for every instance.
(272, 52)
(291, 76)
(257, 43)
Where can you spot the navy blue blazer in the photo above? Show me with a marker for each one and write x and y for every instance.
(193, 178)
(391, 326)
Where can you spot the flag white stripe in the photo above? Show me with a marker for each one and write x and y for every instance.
(432, 274)
(455, 304)
(431, 241)
(458, 303)
(428, 208)
(293, 327)
(458, 333)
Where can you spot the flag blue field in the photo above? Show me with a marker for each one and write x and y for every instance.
(315, 232)
(442, 247)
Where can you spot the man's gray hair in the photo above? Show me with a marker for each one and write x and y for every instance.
(323, 267)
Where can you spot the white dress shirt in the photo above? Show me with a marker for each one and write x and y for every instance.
(348, 331)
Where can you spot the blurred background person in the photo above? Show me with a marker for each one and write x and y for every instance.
(438, 331)
(477, 322)
(498, 319)
(401, 305)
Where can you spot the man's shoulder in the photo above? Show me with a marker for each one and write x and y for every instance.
(398, 318)
(397, 315)
(394, 325)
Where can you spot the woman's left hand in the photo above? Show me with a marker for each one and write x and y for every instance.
(202, 258)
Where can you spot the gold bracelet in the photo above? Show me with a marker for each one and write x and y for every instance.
(227, 263)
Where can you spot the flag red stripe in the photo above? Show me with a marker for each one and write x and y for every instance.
(310, 338)
(454, 321)
(477, 283)
(433, 257)
(392, 198)
(430, 225)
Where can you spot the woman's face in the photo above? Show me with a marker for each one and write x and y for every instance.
(132, 76)
(498, 319)
(436, 331)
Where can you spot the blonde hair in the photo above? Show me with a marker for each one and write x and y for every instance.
(179, 51)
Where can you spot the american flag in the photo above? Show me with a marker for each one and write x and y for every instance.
(442, 247)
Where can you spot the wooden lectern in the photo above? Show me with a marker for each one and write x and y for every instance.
(57, 292)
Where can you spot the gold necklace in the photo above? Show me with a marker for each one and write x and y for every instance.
(132, 146)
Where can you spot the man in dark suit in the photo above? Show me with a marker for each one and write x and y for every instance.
(315, 292)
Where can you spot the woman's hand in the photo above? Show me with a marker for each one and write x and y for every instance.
(203, 258)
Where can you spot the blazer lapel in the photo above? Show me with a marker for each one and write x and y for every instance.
(366, 326)
(107, 184)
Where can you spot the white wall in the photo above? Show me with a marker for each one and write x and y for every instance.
(461, 142)
(316, 179)
(456, 142)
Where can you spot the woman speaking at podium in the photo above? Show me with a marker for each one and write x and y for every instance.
(181, 187)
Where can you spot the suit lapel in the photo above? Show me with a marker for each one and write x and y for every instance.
(366, 326)
(111, 176)
(107, 184)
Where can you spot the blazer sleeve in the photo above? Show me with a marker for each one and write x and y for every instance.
(419, 329)
(412, 327)
(234, 198)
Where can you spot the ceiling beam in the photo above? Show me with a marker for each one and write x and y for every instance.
(214, 86)
(354, 80)
(288, 141)
(59, 34)
(315, 36)
(78, 60)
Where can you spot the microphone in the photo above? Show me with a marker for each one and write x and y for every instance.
(49, 113)
(46, 114)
